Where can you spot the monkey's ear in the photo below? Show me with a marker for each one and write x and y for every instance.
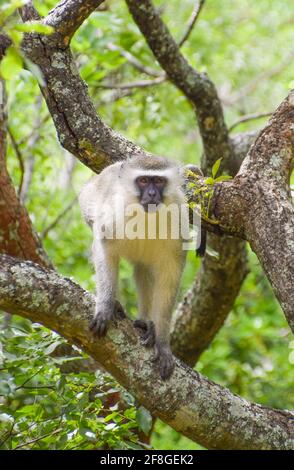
(194, 168)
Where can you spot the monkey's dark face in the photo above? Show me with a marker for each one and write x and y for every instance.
(151, 190)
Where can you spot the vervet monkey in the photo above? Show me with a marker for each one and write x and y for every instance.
(149, 184)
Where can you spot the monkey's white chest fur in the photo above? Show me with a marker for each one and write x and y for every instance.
(147, 237)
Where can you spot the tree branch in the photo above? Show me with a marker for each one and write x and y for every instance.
(249, 117)
(192, 21)
(17, 236)
(260, 205)
(131, 85)
(249, 87)
(203, 411)
(65, 18)
(135, 62)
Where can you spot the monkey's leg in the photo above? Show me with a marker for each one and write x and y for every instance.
(166, 283)
(144, 280)
(106, 267)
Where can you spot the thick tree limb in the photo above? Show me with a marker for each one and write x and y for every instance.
(191, 404)
(17, 236)
(65, 18)
(259, 203)
(79, 128)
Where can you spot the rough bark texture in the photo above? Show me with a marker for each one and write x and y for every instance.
(257, 204)
(17, 236)
(191, 404)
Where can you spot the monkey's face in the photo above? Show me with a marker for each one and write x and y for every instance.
(151, 190)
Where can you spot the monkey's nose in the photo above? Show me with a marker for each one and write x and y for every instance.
(151, 193)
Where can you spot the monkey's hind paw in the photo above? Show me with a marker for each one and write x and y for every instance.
(166, 366)
(147, 333)
(165, 359)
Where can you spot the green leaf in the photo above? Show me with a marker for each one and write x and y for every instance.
(209, 180)
(215, 167)
(12, 63)
(9, 8)
(144, 419)
(34, 27)
(222, 178)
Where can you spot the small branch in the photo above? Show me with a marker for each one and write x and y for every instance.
(135, 62)
(19, 157)
(58, 218)
(249, 117)
(260, 78)
(37, 439)
(30, 160)
(131, 85)
(192, 21)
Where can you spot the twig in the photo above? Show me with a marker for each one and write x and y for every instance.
(30, 135)
(131, 85)
(31, 142)
(192, 21)
(38, 438)
(19, 158)
(135, 62)
(248, 117)
(250, 86)
(58, 218)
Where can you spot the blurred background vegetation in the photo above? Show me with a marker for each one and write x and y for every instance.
(247, 48)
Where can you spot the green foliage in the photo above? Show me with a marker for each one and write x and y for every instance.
(202, 195)
(43, 408)
(12, 63)
(234, 42)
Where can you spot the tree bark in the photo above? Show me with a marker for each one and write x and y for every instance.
(201, 410)
(17, 236)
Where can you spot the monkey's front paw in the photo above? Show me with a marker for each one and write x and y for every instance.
(99, 323)
(165, 359)
(104, 313)
(147, 332)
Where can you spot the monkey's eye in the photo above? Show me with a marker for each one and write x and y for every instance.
(159, 180)
(143, 180)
